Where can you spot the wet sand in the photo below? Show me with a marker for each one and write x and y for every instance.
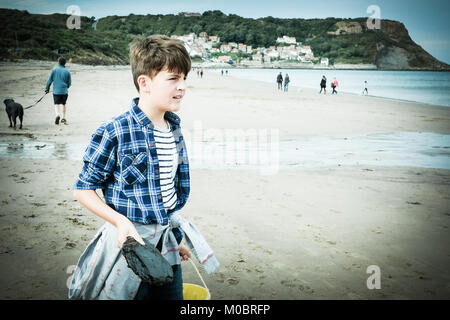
(296, 234)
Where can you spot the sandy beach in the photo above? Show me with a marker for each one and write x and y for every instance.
(296, 234)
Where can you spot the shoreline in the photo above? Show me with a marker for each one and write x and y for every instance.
(358, 95)
(218, 65)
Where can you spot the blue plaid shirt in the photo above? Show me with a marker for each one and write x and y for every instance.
(121, 159)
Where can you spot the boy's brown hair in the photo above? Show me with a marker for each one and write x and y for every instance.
(150, 55)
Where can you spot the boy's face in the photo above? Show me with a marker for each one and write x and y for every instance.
(166, 90)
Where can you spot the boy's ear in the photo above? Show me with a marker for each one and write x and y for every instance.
(144, 83)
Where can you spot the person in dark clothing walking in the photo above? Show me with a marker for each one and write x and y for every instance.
(286, 82)
(323, 85)
(280, 81)
(61, 79)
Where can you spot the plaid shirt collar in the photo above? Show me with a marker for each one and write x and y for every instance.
(142, 119)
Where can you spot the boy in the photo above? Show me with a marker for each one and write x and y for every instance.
(139, 160)
(61, 79)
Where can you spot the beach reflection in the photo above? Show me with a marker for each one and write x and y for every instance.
(415, 149)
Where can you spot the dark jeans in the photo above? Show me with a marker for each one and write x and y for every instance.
(171, 291)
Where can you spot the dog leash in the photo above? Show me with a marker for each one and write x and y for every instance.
(36, 101)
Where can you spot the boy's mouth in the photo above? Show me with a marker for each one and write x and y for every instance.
(178, 97)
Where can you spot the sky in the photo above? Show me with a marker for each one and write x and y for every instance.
(426, 20)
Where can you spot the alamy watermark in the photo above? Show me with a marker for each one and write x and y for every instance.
(374, 21)
(233, 148)
(74, 21)
(74, 271)
(374, 280)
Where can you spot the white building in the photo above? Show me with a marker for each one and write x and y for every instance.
(257, 57)
(273, 54)
(286, 39)
(324, 62)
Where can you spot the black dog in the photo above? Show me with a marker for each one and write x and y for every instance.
(14, 110)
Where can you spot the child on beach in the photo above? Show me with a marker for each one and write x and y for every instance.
(140, 162)
(334, 85)
(365, 88)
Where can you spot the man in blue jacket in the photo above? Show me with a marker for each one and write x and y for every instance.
(60, 77)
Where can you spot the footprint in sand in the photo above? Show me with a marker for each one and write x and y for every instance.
(297, 284)
(233, 281)
(22, 180)
(36, 204)
(70, 245)
(77, 222)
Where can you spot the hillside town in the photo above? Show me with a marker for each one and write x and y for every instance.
(210, 48)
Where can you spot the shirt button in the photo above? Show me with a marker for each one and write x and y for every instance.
(142, 122)
(156, 171)
(165, 223)
(159, 197)
(151, 144)
(150, 125)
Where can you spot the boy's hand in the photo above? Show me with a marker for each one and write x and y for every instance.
(126, 228)
(185, 254)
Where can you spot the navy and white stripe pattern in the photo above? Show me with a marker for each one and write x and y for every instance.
(168, 162)
(122, 159)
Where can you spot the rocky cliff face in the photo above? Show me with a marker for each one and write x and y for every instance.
(401, 52)
(394, 48)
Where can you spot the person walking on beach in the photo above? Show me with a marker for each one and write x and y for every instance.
(334, 84)
(226, 72)
(280, 81)
(365, 88)
(61, 79)
(323, 85)
(139, 160)
(286, 82)
(222, 72)
(201, 73)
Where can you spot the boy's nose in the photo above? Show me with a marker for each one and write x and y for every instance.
(181, 84)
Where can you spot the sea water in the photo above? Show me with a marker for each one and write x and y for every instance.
(420, 86)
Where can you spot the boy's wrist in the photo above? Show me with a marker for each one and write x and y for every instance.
(119, 219)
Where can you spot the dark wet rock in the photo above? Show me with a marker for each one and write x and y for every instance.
(147, 262)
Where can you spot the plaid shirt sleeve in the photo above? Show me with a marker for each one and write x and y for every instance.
(99, 161)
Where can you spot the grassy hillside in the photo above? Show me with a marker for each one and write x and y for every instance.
(46, 37)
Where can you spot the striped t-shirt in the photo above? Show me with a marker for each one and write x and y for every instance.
(168, 164)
